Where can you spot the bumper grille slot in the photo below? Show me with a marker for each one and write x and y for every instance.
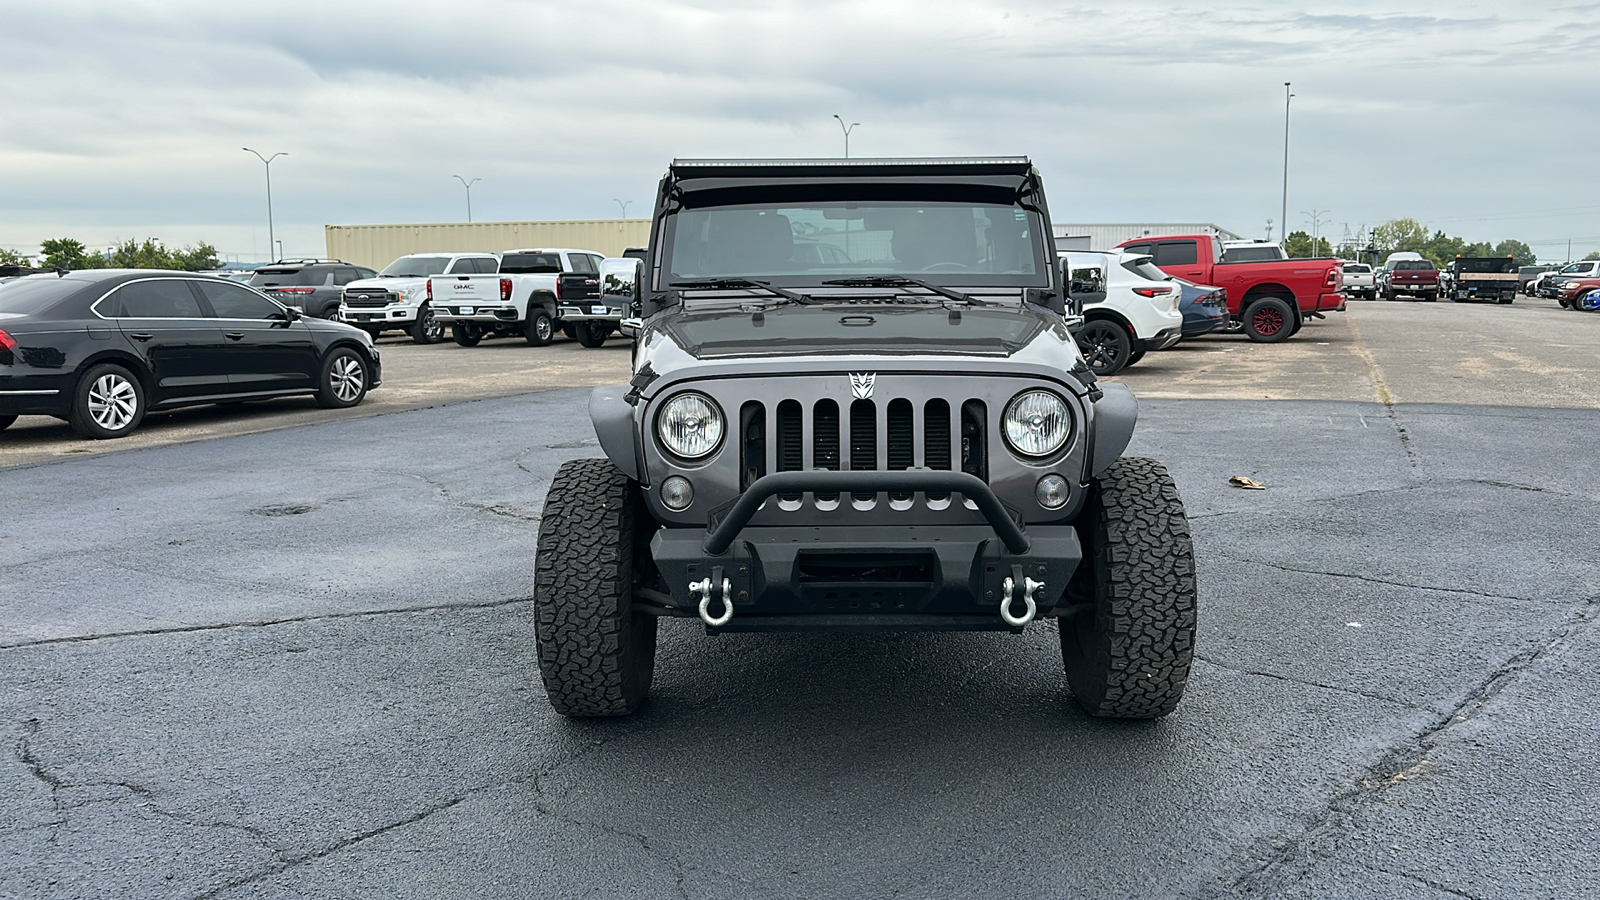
(863, 440)
(974, 450)
(936, 439)
(902, 443)
(825, 441)
(752, 443)
(791, 441)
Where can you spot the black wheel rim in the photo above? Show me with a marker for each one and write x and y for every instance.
(1102, 349)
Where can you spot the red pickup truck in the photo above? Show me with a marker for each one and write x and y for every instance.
(1269, 299)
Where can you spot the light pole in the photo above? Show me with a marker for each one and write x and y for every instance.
(268, 160)
(1315, 216)
(468, 185)
(1284, 217)
(623, 204)
(846, 134)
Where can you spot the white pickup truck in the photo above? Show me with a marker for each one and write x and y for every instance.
(398, 297)
(534, 293)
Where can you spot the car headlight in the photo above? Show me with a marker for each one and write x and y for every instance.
(690, 425)
(1037, 423)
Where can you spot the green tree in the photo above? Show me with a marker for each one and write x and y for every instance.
(67, 253)
(151, 254)
(1517, 250)
(10, 257)
(1478, 248)
(1593, 255)
(1441, 248)
(1400, 234)
(1300, 246)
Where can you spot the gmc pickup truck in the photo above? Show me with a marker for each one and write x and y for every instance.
(1270, 299)
(535, 293)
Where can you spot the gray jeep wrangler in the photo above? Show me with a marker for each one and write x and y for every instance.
(857, 405)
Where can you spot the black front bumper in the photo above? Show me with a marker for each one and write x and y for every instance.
(859, 577)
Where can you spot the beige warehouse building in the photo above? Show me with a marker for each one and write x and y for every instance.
(378, 245)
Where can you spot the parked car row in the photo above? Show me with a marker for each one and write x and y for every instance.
(528, 293)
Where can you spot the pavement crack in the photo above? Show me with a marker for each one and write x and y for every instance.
(1401, 763)
(1371, 579)
(1384, 397)
(267, 623)
(30, 760)
(1436, 885)
(1342, 689)
(290, 861)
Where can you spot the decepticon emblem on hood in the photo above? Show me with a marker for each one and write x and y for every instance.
(861, 384)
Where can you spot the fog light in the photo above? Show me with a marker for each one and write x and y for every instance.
(1052, 492)
(677, 493)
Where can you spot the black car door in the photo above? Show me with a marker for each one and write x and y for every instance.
(265, 351)
(163, 323)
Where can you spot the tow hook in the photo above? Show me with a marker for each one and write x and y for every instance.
(703, 590)
(1030, 592)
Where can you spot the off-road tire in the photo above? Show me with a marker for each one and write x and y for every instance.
(540, 329)
(466, 335)
(1129, 643)
(596, 654)
(593, 334)
(99, 390)
(426, 329)
(1268, 320)
(344, 379)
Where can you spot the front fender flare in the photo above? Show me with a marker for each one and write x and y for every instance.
(613, 425)
(1115, 414)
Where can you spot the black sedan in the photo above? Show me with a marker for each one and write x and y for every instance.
(100, 348)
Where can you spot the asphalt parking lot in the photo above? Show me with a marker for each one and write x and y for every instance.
(283, 652)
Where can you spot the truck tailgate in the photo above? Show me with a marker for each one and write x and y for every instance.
(455, 290)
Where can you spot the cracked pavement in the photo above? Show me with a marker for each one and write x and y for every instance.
(298, 664)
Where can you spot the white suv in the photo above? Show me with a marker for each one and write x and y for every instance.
(397, 298)
(1129, 307)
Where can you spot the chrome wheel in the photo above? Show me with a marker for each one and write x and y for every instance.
(431, 328)
(348, 378)
(113, 402)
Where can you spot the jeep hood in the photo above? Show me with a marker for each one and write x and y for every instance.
(847, 329)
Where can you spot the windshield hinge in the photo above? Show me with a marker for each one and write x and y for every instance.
(641, 380)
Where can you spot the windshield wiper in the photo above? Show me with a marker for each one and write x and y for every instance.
(712, 284)
(901, 281)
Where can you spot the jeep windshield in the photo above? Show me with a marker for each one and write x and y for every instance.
(724, 332)
(808, 243)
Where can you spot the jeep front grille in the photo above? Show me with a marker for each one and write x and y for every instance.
(876, 436)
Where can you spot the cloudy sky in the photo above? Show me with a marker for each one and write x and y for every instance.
(126, 119)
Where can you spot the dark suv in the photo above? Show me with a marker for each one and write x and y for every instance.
(314, 286)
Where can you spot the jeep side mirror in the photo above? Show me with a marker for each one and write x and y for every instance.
(619, 285)
(1086, 283)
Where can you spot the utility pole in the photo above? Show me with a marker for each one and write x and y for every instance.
(468, 185)
(846, 134)
(268, 161)
(1285, 219)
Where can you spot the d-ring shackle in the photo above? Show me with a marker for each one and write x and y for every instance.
(702, 589)
(1030, 590)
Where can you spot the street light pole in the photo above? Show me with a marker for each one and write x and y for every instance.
(623, 204)
(846, 134)
(468, 185)
(1315, 216)
(268, 161)
(1284, 217)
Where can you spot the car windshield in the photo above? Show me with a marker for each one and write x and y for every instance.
(35, 293)
(1250, 254)
(957, 242)
(286, 277)
(530, 263)
(415, 267)
(1145, 268)
(1356, 268)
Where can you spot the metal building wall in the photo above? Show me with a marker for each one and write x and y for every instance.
(1104, 236)
(379, 245)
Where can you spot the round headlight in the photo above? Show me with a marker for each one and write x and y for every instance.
(690, 425)
(1037, 423)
